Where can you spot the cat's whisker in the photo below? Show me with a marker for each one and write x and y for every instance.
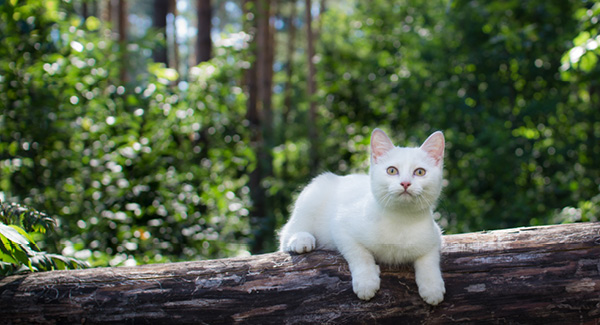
(425, 201)
(387, 199)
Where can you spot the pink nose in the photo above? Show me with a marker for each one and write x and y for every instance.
(405, 185)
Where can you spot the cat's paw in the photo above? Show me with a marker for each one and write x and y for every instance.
(366, 283)
(302, 242)
(432, 293)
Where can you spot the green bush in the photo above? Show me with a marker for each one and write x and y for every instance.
(153, 168)
(521, 123)
(18, 249)
(136, 171)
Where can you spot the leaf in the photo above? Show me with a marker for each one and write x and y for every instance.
(15, 252)
(46, 262)
(6, 269)
(27, 236)
(12, 234)
(6, 256)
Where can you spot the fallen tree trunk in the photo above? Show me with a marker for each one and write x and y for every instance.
(525, 275)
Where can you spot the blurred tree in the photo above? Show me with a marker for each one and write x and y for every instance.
(486, 74)
(259, 80)
(122, 34)
(159, 21)
(89, 8)
(289, 70)
(106, 11)
(580, 68)
(311, 89)
(172, 42)
(204, 41)
(135, 173)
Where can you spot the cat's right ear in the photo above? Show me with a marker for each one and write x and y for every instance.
(380, 144)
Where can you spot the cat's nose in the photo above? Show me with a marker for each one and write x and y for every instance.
(405, 185)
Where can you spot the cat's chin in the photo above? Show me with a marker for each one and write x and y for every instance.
(405, 197)
(408, 202)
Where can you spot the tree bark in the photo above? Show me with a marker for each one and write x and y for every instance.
(204, 41)
(534, 275)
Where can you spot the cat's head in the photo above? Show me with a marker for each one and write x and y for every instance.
(408, 178)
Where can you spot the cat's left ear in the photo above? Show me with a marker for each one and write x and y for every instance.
(434, 146)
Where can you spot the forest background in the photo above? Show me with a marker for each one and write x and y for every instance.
(157, 131)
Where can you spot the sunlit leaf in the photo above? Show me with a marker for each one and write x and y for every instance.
(12, 234)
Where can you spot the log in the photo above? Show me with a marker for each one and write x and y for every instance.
(548, 274)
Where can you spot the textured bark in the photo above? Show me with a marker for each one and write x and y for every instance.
(522, 276)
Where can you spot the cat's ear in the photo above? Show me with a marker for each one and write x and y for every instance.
(380, 144)
(434, 146)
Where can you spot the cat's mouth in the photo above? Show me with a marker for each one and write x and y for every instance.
(405, 193)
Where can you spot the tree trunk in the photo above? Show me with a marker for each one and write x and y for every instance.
(172, 45)
(257, 194)
(106, 11)
(259, 83)
(322, 9)
(289, 79)
(204, 42)
(534, 275)
(122, 25)
(311, 89)
(159, 21)
(85, 13)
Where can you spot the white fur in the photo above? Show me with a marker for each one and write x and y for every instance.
(369, 218)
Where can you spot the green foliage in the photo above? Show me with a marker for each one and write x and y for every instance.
(583, 57)
(521, 138)
(152, 166)
(19, 251)
(136, 171)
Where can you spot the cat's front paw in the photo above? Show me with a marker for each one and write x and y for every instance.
(366, 283)
(302, 242)
(433, 293)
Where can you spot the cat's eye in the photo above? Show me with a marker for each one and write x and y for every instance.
(420, 172)
(392, 171)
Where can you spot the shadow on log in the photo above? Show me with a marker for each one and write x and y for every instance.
(526, 275)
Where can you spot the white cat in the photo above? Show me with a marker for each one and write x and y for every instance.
(383, 217)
